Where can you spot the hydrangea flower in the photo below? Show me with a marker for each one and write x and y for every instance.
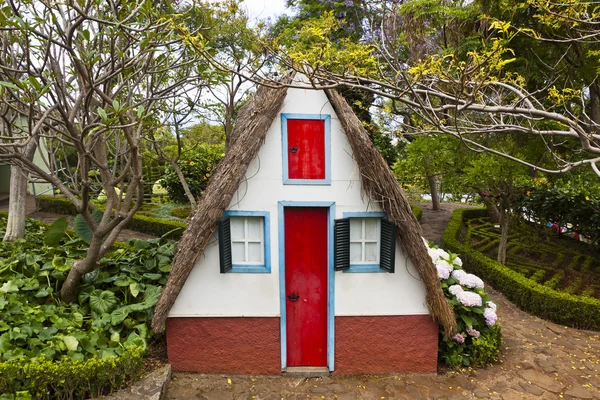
(455, 289)
(469, 299)
(469, 280)
(458, 338)
(491, 304)
(457, 261)
(437, 254)
(473, 332)
(444, 269)
(490, 316)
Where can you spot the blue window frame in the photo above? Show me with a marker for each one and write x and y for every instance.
(360, 222)
(284, 140)
(250, 241)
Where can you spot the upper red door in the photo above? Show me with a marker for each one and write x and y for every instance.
(306, 148)
(306, 285)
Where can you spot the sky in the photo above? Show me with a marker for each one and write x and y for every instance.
(261, 9)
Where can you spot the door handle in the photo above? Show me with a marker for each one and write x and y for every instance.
(293, 149)
(293, 297)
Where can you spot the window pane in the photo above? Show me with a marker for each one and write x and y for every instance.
(237, 227)
(254, 252)
(355, 252)
(371, 228)
(238, 254)
(355, 229)
(371, 251)
(255, 228)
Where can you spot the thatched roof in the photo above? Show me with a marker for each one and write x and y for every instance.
(378, 183)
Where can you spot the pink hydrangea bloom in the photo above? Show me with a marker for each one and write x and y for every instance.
(473, 332)
(458, 338)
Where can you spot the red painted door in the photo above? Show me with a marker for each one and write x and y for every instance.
(306, 285)
(306, 148)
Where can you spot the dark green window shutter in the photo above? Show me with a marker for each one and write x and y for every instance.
(341, 244)
(387, 252)
(225, 245)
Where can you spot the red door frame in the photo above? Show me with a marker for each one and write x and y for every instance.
(330, 278)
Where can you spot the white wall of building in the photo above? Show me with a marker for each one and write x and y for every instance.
(209, 293)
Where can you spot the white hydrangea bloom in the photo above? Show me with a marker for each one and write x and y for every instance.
(455, 289)
(443, 273)
(490, 316)
(457, 261)
(469, 299)
(491, 304)
(469, 280)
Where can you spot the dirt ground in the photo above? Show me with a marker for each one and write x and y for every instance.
(539, 360)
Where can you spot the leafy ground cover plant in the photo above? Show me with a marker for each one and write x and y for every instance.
(479, 335)
(115, 301)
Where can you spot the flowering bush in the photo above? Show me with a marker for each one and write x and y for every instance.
(197, 168)
(479, 335)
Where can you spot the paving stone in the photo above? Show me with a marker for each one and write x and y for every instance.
(547, 366)
(347, 396)
(579, 393)
(533, 389)
(414, 392)
(481, 394)
(543, 381)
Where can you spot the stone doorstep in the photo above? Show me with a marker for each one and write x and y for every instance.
(306, 372)
(152, 387)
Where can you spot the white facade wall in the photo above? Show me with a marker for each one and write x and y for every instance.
(210, 293)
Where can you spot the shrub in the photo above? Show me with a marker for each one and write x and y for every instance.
(181, 212)
(417, 211)
(561, 308)
(479, 335)
(197, 168)
(139, 223)
(67, 379)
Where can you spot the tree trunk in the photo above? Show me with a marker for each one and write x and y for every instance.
(435, 197)
(68, 292)
(17, 205)
(504, 225)
(491, 206)
(186, 188)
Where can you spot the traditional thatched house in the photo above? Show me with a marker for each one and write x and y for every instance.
(303, 252)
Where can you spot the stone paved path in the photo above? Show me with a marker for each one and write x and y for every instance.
(540, 360)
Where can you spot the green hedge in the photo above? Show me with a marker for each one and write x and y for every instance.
(67, 379)
(418, 211)
(562, 308)
(139, 223)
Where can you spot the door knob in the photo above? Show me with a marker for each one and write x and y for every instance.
(293, 297)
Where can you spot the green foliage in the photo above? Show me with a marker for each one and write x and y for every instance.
(67, 379)
(562, 308)
(417, 211)
(82, 229)
(571, 208)
(114, 304)
(56, 232)
(181, 212)
(197, 169)
(55, 204)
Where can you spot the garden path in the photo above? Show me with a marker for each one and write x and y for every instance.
(48, 218)
(539, 360)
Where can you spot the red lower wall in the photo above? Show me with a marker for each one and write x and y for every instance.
(380, 344)
(239, 345)
(226, 345)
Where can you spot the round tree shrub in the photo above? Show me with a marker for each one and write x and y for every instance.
(197, 167)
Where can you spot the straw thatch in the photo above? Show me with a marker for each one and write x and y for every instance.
(378, 182)
(252, 125)
(381, 186)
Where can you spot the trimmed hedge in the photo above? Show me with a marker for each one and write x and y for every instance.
(544, 302)
(67, 379)
(139, 223)
(417, 211)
